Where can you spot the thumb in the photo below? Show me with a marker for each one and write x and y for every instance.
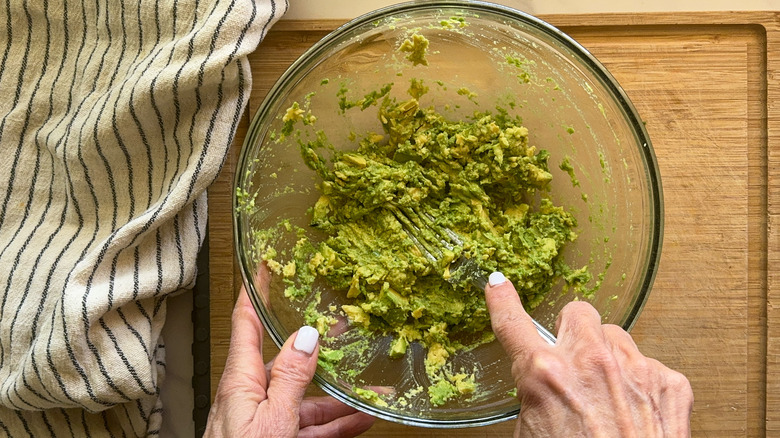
(292, 372)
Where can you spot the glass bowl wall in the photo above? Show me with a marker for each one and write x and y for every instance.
(571, 106)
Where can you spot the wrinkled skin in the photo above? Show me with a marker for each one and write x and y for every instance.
(258, 400)
(593, 383)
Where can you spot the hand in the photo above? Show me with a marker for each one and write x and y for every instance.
(253, 400)
(592, 382)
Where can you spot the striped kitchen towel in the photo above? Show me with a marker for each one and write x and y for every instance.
(115, 116)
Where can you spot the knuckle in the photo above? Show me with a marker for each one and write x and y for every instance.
(577, 309)
(292, 374)
(599, 356)
(615, 332)
(678, 383)
(506, 329)
(505, 323)
(545, 367)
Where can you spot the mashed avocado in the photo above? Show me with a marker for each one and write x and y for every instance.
(479, 178)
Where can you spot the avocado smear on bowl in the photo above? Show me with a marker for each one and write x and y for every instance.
(479, 178)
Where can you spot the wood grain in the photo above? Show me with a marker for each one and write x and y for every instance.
(707, 86)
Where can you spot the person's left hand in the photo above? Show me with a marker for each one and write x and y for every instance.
(253, 400)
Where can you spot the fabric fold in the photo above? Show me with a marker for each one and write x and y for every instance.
(116, 117)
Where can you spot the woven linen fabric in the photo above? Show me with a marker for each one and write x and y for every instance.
(116, 115)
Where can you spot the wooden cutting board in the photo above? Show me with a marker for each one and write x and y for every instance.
(708, 86)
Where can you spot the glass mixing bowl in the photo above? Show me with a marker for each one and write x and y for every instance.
(480, 56)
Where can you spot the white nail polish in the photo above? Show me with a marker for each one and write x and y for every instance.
(306, 339)
(496, 278)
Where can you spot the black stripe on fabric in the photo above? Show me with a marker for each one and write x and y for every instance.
(136, 286)
(67, 420)
(27, 241)
(98, 148)
(161, 124)
(106, 426)
(37, 372)
(39, 312)
(55, 372)
(63, 140)
(24, 423)
(122, 315)
(176, 101)
(36, 168)
(201, 73)
(47, 423)
(91, 347)
(147, 147)
(179, 252)
(95, 129)
(157, 111)
(114, 125)
(133, 113)
(136, 270)
(18, 256)
(5, 429)
(143, 311)
(88, 180)
(135, 332)
(152, 87)
(140, 408)
(72, 357)
(17, 154)
(34, 326)
(9, 37)
(17, 96)
(9, 400)
(270, 19)
(85, 425)
(50, 397)
(30, 389)
(53, 269)
(196, 220)
(158, 260)
(158, 302)
(122, 356)
(111, 280)
(241, 82)
(198, 101)
(130, 419)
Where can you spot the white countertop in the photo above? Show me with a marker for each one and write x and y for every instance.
(177, 392)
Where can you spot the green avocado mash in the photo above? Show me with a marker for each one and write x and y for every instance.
(479, 178)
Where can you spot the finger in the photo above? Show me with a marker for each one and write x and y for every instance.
(676, 404)
(343, 427)
(263, 283)
(513, 327)
(619, 340)
(292, 372)
(245, 356)
(579, 321)
(268, 367)
(321, 410)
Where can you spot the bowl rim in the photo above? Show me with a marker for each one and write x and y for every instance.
(588, 60)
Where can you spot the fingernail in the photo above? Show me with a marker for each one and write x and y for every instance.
(496, 278)
(306, 340)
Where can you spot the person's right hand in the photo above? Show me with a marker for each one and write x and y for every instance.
(593, 382)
